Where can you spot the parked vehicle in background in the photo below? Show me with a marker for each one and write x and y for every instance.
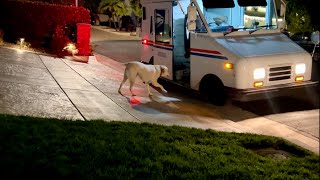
(128, 24)
(304, 40)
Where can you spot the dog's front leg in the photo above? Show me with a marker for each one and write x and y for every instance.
(156, 84)
(148, 88)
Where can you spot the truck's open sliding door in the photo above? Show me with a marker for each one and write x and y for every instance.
(163, 46)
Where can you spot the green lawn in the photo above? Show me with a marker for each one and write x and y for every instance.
(60, 149)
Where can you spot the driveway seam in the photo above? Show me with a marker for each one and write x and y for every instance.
(62, 89)
(102, 92)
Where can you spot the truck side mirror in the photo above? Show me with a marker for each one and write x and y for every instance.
(315, 37)
(192, 16)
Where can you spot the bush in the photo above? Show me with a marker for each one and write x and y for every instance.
(63, 2)
(43, 25)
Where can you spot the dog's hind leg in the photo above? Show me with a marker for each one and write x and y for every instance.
(123, 81)
(148, 88)
(132, 80)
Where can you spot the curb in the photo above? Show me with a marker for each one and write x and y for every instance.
(82, 59)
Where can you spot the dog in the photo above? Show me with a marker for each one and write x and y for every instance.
(148, 73)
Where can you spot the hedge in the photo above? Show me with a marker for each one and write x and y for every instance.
(45, 25)
(63, 2)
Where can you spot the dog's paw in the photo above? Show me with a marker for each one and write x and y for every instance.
(165, 91)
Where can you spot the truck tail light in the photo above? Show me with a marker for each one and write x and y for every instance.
(144, 41)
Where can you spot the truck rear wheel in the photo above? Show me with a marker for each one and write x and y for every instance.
(212, 90)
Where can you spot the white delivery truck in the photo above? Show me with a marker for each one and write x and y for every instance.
(226, 47)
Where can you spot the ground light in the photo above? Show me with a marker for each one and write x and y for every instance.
(71, 48)
(21, 42)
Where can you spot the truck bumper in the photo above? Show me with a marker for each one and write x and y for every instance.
(270, 91)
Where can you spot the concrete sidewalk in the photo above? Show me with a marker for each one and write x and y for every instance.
(43, 86)
(303, 128)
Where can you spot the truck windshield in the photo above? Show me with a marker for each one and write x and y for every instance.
(243, 15)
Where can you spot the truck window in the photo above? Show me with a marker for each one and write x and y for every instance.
(200, 27)
(246, 15)
(162, 27)
(254, 16)
(144, 13)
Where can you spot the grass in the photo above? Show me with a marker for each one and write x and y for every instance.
(60, 149)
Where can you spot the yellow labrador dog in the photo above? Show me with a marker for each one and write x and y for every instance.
(149, 74)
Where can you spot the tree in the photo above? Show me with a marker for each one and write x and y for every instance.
(117, 8)
(136, 10)
(121, 10)
(299, 16)
(92, 5)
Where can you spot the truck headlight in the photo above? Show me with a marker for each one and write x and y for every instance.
(300, 68)
(259, 73)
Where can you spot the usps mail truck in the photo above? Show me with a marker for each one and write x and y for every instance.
(224, 48)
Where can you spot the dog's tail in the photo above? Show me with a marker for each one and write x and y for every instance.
(126, 63)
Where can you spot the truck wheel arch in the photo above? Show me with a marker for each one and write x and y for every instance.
(212, 89)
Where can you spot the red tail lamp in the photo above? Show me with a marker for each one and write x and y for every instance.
(144, 41)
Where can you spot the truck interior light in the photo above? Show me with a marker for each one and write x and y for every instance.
(300, 68)
(228, 65)
(259, 73)
(299, 78)
(258, 84)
